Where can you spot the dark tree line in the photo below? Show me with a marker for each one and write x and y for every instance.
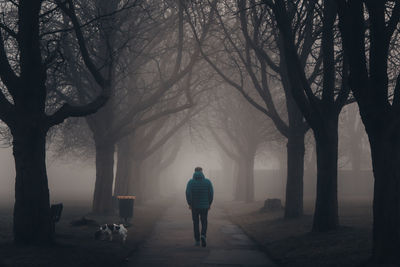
(328, 49)
(28, 49)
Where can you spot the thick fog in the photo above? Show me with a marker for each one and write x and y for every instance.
(285, 102)
(72, 179)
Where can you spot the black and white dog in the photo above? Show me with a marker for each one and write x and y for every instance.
(110, 229)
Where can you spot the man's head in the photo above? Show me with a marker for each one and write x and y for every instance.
(198, 173)
(198, 169)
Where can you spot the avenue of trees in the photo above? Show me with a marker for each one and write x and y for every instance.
(247, 72)
(324, 50)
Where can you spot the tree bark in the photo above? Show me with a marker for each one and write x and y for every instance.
(369, 83)
(295, 150)
(386, 205)
(32, 220)
(102, 199)
(326, 205)
(295, 172)
(123, 165)
(321, 112)
(100, 124)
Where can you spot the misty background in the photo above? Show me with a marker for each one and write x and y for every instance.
(72, 179)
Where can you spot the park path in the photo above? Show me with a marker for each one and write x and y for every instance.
(172, 244)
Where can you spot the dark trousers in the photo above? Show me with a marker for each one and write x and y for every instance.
(202, 213)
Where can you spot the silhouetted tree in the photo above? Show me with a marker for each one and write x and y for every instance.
(377, 91)
(254, 26)
(29, 46)
(322, 102)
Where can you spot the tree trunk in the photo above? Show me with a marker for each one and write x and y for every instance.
(146, 181)
(295, 172)
(123, 165)
(249, 177)
(326, 205)
(386, 206)
(356, 152)
(227, 174)
(102, 199)
(135, 181)
(295, 151)
(240, 190)
(32, 221)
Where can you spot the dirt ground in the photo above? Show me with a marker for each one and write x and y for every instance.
(290, 243)
(75, 245)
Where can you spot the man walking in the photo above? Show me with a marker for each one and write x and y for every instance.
(199, 196)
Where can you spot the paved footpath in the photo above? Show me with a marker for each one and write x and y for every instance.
(172, 243)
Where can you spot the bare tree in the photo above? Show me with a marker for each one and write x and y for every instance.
(265, 43)
(368, 30)
(322, 102)
(28, 47)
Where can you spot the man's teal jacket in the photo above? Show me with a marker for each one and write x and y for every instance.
(199, 192)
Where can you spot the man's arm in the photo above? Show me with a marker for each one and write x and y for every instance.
(210, 193)
(189, 193)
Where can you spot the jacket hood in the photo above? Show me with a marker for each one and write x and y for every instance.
(198, 175)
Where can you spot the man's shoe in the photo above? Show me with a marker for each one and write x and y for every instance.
(197, 243)
(203, 241)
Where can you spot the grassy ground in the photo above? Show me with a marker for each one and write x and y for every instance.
(290, 243)
(76, 246)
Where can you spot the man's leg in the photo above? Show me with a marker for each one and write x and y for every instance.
(204, 222)
(195, 217)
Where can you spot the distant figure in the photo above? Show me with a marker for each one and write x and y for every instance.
(199, 196)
